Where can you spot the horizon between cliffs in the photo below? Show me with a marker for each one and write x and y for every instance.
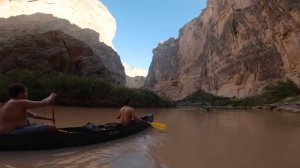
(133, 71)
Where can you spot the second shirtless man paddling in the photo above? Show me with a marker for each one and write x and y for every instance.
(127, 114)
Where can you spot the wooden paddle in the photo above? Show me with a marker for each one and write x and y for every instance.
(53, 114)
(53, 117)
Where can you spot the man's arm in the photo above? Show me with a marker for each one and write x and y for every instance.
(37, 116)
(27, 104)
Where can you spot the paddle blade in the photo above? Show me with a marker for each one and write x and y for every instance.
(158, 125)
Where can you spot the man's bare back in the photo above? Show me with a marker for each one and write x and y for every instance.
(126, 115)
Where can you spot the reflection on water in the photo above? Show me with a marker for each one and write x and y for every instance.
(128, 152)
(227, 139)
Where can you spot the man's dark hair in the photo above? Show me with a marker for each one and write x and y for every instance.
(126, 101)
(15, 89)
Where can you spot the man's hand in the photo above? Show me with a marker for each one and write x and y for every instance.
(50, 98)
(53, 96)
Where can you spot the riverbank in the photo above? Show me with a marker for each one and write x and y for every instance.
(287, 107)
(74, 90)
(290, 104)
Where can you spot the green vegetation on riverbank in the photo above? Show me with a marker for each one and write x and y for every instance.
(77, 90)
(200, 97)
(82, 91)
(280, 92)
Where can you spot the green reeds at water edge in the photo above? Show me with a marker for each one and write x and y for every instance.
(273, 93)
(83, 91)
(77, 90)
(280, 90)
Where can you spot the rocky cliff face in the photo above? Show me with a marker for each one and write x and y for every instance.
(164, 70)
(86, 20)
(234, 48)
(135, 82)
(53, 51)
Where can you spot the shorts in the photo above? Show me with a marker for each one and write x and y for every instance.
(32, 129)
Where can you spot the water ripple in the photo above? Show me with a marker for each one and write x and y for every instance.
(128, 152)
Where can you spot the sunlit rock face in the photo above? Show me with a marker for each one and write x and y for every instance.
(163, 72)
(86, 20)
(87, 14)
(135, 82)
(234, 48)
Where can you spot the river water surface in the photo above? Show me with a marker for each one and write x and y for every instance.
(193, 139)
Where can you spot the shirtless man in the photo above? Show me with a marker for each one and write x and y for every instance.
(127, 113)
(14, 113)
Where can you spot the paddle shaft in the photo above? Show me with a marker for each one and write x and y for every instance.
(53, 114)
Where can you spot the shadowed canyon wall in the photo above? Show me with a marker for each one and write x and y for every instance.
(234, 48)
(53, 51)
(86, 21)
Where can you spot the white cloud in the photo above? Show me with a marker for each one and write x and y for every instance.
(132, 71)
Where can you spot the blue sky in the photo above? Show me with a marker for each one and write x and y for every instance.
(142, 24)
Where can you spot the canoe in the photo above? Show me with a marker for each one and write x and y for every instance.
(73, 136)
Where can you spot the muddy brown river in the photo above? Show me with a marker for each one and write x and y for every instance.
(193, 139)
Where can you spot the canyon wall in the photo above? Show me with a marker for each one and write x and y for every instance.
(233, 49)
(53, 51)
(88, 21)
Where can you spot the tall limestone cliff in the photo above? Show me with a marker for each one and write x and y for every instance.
(88, 21)
(234, 48)
(164, 69)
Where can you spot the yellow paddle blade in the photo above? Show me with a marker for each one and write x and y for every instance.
(160, 126)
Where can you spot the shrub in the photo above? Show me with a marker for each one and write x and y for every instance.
(280, 90)
(200, 97)
(249, 101)
(140, 97)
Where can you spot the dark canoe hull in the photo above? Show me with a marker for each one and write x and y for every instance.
(76, 136)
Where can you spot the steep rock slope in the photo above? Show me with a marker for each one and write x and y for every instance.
(86, 20)
(53, 51)
(234, 48)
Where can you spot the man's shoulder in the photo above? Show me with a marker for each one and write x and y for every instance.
(17, 102)
(126, 108)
